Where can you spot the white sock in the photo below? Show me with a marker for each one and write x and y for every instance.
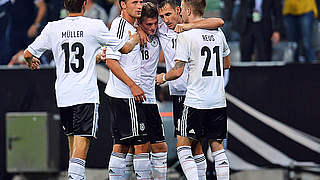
(221, 164)
(142, 167)
(159, 165)
(187, 162)
(129, 166)
(201, 166)
(117, 166)
(77, 170)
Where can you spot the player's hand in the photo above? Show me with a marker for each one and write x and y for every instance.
(182, 27)
(101, 56)
(135, 37)
(34, 63)
(32, 31)
(159, 79)
(137, 93)
(144, 39)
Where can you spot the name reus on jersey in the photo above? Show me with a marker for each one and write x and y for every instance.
(72, 34)
(208, 37)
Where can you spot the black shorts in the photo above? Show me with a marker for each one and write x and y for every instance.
(128, 121)
(80, 119)
(154, 123)
(177, 102)
(208, 123)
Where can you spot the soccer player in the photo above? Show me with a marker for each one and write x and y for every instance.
(206, 53)
(169, 12)
(150, 57)
(75, 41)
(125, 97)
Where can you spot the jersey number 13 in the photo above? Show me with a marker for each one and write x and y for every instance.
(78, 56)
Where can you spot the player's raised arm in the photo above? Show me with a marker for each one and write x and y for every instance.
(129, 45)
(144, 39)
(208, 23)
(173, 74)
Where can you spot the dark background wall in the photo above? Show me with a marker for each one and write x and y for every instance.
(288, 93)
(23, 90)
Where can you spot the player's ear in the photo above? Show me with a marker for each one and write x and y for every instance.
(178, 9)
(123, 5)
(84, 6)
(189, 11)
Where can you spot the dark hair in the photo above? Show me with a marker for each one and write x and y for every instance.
(73, 6)
(172, 3)
(197, 6)
(149, 10)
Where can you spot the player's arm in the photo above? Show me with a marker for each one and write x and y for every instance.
(208, 23)
(117, 70)
(32, 62)
(226, 62)
(144, 39)
(37, 48)
(129, 45)
(173, 74)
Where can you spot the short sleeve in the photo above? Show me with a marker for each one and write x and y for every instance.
(183, 48)
(107, 38)
(225, 49)
(111, 54)
(41, 43)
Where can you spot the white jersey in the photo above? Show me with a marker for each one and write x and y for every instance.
(130, 63)
(168, 41)
(150, 57)
(75, 41)
(204, 51)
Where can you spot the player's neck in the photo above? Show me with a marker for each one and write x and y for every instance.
(193, 18)
(128, 18)
(75, 14)
(89, 5)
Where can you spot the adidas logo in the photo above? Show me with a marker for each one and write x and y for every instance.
(192, 131)
(223, 163)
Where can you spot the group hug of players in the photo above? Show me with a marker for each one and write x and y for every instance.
(195, 53)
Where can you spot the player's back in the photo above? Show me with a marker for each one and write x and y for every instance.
(74, 42)
(205, 50)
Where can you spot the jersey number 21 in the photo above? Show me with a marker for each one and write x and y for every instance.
(206, 49)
